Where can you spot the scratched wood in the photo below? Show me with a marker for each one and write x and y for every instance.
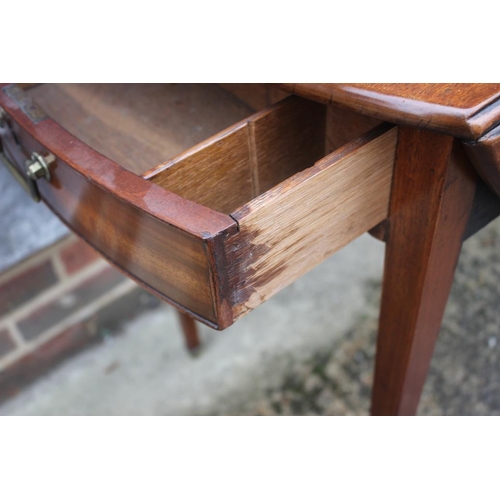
(296, 225)
(290, 207)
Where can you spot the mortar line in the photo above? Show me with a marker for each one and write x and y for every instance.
(33, 260)
(55, 291)
(61, 273)
(73, 319)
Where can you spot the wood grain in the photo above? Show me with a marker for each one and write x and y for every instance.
(214, 266)
(466, 110)
(296, 225)
(229, 169)
(431, 200)
(140, 125)
(286, 138)
(216, 173)
(343, 126)
(158, 238)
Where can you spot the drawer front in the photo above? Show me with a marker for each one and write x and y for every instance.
(298, 206)
(161, 240)
(222, 227)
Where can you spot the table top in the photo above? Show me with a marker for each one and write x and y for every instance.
(465, 110)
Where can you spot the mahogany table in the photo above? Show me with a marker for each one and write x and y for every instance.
(228, 221)
(448, 134)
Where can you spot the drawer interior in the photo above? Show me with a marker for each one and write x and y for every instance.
(140, 125)
(249, 158)
(170, 134)
(294, 205)
(275, 192)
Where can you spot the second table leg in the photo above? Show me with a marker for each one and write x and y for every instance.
(190, 331)
(431, 199)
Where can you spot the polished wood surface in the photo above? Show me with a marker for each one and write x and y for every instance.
(296, 225)
(139, 126)
(207, 263)
(289, 209)
(431, 200)
(161, 240)
(465, 110)
(221, 227)
(190, 332)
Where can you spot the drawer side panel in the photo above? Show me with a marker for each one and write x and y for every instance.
(293, 227)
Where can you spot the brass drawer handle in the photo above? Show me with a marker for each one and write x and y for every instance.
(36, 168)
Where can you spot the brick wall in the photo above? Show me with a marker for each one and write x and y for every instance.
(56, 303)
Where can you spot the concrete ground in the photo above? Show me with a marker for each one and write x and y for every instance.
(147, 370)
(309, 350)
(26, 227)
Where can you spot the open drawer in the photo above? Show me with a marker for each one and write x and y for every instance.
(219, 228)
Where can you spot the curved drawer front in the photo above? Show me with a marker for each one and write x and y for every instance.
(158, 238)
(218, 229)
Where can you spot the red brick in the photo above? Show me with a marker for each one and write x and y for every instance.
(78, 255)
(16, 376)
(23, 287)
(6, 343)
(52, 313)
(105, 322)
